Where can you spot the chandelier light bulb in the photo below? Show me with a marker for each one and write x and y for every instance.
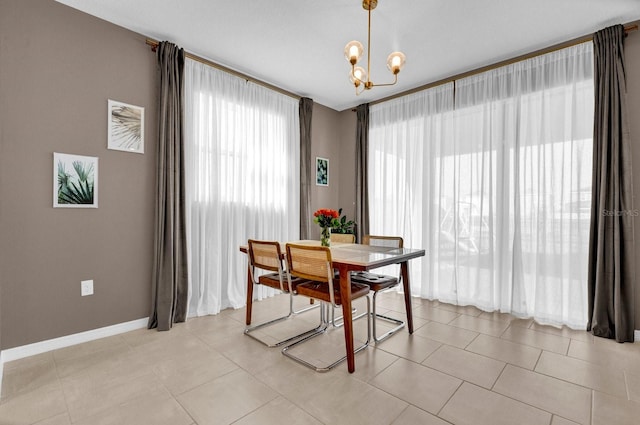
(359, 75)
(353, 51)
(395, 62)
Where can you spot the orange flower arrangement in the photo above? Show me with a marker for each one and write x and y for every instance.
(325, 217)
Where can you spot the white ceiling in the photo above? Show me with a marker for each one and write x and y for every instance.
(297, 45)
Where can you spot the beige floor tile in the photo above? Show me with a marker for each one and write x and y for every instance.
(219, 337)
(395, 302)
(325, 349)
(90, 394)
(421, 386)
(446, 334)
(249, 354)
(333, 397)
(633, 386)
(497, 316)
(81, 350)
(477, 324)
(226, 399)
(563, 331)
(472, 405)
(417, 321)
(145, 336)
(506, 317)
(149, 377)
(277, 412)
(70, 365)
(506, 351)
(471, 367)
(155, 408)
(612, 344)
(469, 310)
(369, 363)
(28, 376)
(212, 324)
(29, 361)
(288, 328)
(34, 406)
(411, 347)
(557, 420)
(606, 354)
(434, 314)
(553, 395)
(294, 380)
(62, 419)
(426, 302)
(609, 410)
(413, 416)
(602, 378)
(544, 341)
(180, 375)
(350, 401)
(118, 365)
(523, 323)
(176, 347)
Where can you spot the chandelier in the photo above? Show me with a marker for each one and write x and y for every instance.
(353, 52)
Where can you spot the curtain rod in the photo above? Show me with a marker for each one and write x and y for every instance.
(154, 45)
(627, 29)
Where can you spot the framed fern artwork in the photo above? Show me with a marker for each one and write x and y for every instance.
(75, 181)
(322, 171)
(126, 127)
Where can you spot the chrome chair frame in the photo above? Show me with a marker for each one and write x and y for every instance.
(275, 265)
(396, 242)
(323, 275)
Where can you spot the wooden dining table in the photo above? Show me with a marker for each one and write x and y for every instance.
(347, 257)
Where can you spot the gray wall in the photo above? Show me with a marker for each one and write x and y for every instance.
(632, 57)
(58, 68)
(333, 137)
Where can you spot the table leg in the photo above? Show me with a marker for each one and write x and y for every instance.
(249, 295)
(404, 269)
(347, 315)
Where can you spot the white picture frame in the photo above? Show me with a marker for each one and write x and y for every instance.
(322, 171)
(126, 127)
(75, 181)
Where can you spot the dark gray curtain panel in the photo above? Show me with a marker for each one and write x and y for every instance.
(362, 170)
(170, 285)
(305, 112)
(611, 275)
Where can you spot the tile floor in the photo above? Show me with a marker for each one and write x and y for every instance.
(461, 366)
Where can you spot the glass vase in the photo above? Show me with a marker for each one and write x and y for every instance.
(325, 236)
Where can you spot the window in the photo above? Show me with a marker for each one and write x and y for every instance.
(496, 188)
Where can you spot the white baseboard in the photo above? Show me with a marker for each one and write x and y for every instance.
(69, 340)
(636, 336)
(1, 372)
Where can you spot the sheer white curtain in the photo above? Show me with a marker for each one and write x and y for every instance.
(242, 180)
(496, 189)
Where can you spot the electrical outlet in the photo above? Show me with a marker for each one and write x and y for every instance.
(86, 287)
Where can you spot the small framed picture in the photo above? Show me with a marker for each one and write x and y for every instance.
(75, 181)
(126, 127)
(322, 171)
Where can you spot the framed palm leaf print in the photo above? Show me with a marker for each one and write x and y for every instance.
(126, 127)
(75, 181)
